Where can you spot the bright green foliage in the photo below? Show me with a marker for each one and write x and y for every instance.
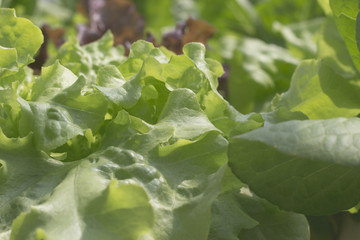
(286, 11)
(300, 165)
(88, 59)
(318, 91)
(239, 214)
(54, 12)
(301, 37)
(151, 8)
(99, 148)
(260, 41)
(231, 15)
(19, 41)
(100, 165)
(264, 70)
(345, 13)
(332, 50)
(103, 146)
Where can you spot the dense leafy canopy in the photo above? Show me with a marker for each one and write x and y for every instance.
(108, 145)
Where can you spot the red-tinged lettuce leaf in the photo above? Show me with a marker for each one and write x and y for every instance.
(54, 36)
(119, 16)
(193, 30)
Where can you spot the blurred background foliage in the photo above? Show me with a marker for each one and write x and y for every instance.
(259, 42)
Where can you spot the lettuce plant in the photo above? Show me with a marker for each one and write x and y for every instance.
(103, 146)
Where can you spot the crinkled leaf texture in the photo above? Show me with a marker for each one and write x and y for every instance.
(153, 184)
(81, 164)
(319, 92)
(19, 41)
(100, 146)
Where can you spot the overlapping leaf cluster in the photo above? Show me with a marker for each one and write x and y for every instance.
(261, 41)
(103, 146)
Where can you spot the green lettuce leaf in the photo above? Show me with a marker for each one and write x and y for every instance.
(147, 177)
(300, 165)
(286, 12)
(273, 222)
(259, 71)
(58, 110)
(345, 12)
(27, 177)
(325, 5)
(11, 87)
(238, 213)
(320, 93)
(333, 51)
(104, 146)
(19, 41)
(114, 152)
(155, 22)
(301, 37)
(88, 59)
